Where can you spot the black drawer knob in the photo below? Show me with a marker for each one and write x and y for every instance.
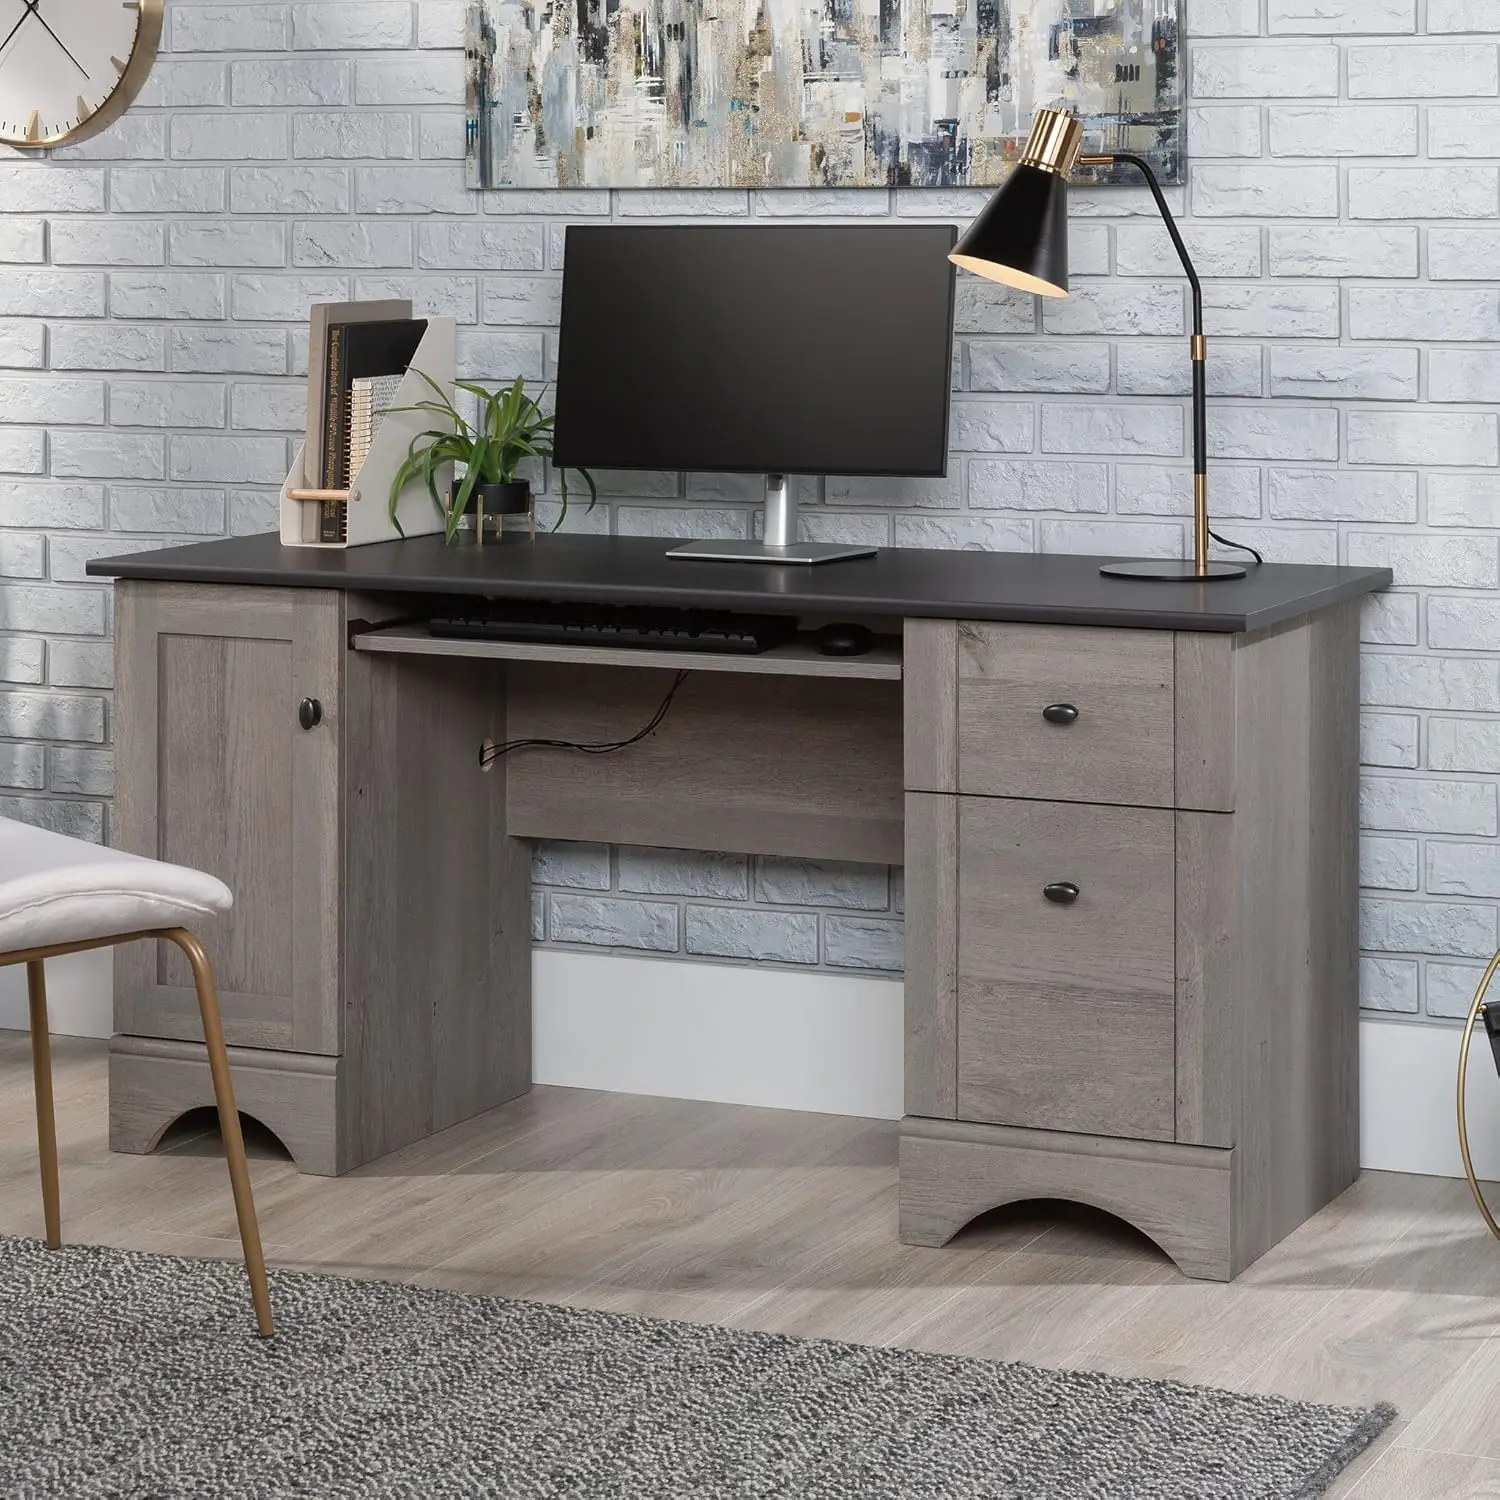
(309, 713)
(1063, 892)
(1060, 713)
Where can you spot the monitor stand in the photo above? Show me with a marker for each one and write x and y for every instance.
(780, 544)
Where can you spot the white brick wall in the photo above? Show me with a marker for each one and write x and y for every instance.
(1344, 207)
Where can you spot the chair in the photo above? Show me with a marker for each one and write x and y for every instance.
(60, 895)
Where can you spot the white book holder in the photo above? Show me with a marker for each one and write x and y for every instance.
(367, 500)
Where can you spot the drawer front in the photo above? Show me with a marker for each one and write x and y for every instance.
(1066, 712)
(1066, 1005)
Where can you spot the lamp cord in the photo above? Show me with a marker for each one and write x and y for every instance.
(491, 753)
(1224, 541)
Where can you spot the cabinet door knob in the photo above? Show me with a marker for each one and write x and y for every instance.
(309, 713)
(1060, 713)
(1063, 892)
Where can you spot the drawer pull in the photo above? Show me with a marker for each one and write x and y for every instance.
(1060, 713)
(309, 713)
(1063, 892)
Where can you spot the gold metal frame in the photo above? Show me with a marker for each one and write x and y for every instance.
(218, 1066)
(1463, 1112)
(132, 81)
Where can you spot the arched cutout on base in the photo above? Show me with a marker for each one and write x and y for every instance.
(154, 1081)
(1094, 1225)
(196, 1132)
(1090, 1225)
(1179, 1197)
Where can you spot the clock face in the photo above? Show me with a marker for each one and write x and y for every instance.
(68, 68)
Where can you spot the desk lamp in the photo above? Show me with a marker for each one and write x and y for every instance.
(1021, 239)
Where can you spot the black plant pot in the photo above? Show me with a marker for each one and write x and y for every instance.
(490, 504)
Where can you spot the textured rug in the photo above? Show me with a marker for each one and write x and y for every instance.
(140, 1376)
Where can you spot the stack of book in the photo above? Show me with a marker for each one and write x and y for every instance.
(357, 353)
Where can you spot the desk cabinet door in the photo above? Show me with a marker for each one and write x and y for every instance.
(1065, 971)
(216, 770)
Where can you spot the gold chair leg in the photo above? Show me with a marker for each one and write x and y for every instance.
(229, 1125)
(46, 1121)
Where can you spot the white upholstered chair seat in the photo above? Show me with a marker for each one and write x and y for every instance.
(59, 895)
(56, 890)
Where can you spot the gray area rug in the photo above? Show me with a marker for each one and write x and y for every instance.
(140, 1375)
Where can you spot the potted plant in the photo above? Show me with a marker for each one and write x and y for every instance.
(511, 429)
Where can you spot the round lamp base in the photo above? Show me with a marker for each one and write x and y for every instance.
(1171, 570)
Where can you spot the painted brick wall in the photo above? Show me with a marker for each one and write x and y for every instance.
(1344, 208)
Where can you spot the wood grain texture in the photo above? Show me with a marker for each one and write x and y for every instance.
(214, 771)
(1178, 1195)
(1120, 747)
(154, 1081)
(574, 1196)
(759, 765)
(437, 942)
(882, 661)
(1204, 721)
(1297, 1125)
(1066, 1011)
(1207, 979)
(931, 954)
(930, 709)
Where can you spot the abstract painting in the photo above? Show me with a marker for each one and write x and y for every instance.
(807, 93)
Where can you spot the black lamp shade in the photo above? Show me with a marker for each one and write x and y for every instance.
(1021, 237)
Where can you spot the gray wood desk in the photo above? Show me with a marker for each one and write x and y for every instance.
(1175, 1043)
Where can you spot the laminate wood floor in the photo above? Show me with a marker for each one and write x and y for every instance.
(787, 1222)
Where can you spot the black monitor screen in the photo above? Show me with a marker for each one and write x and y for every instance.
(777, 349)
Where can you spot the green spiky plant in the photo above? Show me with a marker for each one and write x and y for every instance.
(511, 429)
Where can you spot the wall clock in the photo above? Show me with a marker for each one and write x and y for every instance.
(69, 68)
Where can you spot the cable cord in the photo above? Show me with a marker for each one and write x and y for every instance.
(1224, 541)
(491, 753)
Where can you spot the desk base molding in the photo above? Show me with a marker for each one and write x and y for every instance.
(1181, 1197)
(153, 1082)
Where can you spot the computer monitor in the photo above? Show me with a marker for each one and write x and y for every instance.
(767, 349)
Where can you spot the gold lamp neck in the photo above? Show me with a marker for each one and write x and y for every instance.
(1055, 139)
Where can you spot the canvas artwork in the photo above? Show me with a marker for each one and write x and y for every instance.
(808, 93)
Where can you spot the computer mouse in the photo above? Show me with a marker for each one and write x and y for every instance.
(843, 640)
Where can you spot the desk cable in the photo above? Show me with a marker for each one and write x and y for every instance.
(489, 753)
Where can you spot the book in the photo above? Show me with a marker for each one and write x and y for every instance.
(355, 351)
(321, 316)
(369, 396)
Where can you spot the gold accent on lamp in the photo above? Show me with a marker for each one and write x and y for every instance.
(1055, 140)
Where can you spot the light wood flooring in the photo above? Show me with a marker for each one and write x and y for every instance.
(772, 1220)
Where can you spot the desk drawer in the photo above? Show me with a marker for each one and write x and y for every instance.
(1071, 713)
(1065, 999)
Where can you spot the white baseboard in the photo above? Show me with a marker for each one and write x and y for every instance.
(1408, 1123)
(832, 1044)
(80, 995)
(819, 1042)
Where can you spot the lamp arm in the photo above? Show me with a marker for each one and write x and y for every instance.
(1144, 167)
(1199, 349)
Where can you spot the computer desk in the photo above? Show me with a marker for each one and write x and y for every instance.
(1131, 963)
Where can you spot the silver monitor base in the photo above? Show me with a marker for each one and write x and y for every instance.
(780, 544)
(764, 552)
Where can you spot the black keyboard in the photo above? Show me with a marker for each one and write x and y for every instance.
(656, 629)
